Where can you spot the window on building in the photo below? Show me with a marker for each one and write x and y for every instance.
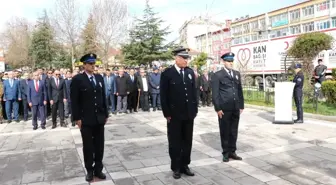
(247, 39)
(246, 28)
(308, 11)
(308, 27)
(280, 17)
(254, 25)
(238, 40)
(333, 3)
(279, 33)
(254, 37)
(333, 22)
(295, 29)
(295, 14)
(322, 25)
(323, 6)
(262, 23)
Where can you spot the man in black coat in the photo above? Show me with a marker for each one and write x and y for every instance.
(89, 111)
(228, 101)
(298, 92)
(179, 107)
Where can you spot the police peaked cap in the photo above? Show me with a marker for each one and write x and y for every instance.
(89, 58)
(228, 56)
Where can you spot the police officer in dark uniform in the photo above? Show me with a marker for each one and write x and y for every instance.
(90, 114)
(298, 80)
(179, 107)
(228, 100)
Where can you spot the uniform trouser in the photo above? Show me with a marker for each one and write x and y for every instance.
(144, 102)
(38, 110)
(132, 100)
(59, 105)
(206, 98)
(156, 103)
(12, 106)
(180, 136)
(93, 147)
(110, 99)
(228, 128)
(298, 104)
(122, 103)
(25, 109)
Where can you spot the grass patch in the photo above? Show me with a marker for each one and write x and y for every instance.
(267, 99)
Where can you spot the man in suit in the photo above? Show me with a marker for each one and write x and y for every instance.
(179, 107)
(89, 111)
(133, 95)
(67, 103)
(57, 97)
(110, 90)
(143, 88)
(12, 96)
(205, 87)
(228, 101)
(154, 81)
(24, 89)
(37, 99)
(122, 91)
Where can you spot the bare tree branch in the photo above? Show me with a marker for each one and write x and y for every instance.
(67, 21)
(111, 17)
(16, 40)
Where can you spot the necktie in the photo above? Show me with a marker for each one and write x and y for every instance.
(181, 74)
(92, 82)
(230, 73)
(36, 86)
(57, 82)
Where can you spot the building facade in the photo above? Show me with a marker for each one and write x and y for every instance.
(261, 42)
(219, 43)
(194, 27)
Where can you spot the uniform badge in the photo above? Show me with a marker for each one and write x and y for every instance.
(299, 79)
(100, 84)
(190, 76)
(237, 77)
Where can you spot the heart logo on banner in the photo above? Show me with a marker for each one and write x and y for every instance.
(244, 56)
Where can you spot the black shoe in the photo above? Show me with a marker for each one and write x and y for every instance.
(53, 127)
(159, 109)
(226, 158)
(100, 175)
(186, 170)
(73, 124)
(234, 156)
(89, 177)
(135, 111)
(35, 128)
(9, 121)
(154, 109)
(63, 125)
(17, 121)
(298, 121)
(177, 174)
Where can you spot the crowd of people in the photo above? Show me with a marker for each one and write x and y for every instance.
(128, 90)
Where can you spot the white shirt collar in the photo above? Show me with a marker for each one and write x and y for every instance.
(177, 68)
(89, 75)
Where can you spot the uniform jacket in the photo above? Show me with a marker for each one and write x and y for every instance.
(11, 93)
(36, 97)
(88, 102)
(298, 80)
(56, 93)
(154, 82)
(178, 98)
(227, 91)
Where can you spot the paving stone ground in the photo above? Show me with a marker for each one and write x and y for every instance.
(136, 153)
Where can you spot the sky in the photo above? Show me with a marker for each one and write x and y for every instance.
(173, 12)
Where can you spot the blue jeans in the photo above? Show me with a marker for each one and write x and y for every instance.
(156, 103)
(12, 106)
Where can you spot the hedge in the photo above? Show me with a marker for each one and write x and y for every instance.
(329, 90)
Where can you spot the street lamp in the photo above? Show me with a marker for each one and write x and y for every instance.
(260, 32)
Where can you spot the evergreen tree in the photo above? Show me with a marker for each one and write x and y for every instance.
(89, 37)
(147, 40)
(41, 49)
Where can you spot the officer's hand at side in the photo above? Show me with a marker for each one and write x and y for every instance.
(241, 111)
(51, 102)
(79, 123)
(220, 114)
(168, 119)
(30, 104)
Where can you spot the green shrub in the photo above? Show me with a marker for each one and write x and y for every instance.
(329, 91)
(333, 73)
